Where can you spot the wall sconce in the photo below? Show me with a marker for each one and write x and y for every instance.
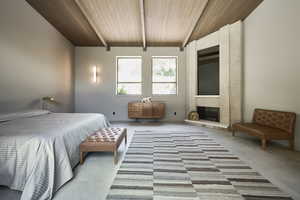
(48, 101)
(95, 74)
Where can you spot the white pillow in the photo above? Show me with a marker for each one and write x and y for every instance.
(22, 114)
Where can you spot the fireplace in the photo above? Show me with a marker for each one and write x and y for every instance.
(209, 113)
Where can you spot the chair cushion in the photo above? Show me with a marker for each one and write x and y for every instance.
(275, 119)
(261, 131)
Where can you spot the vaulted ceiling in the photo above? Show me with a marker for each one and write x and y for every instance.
(140, 22)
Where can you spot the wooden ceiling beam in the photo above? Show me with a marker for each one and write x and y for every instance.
(142, 13)
(90, 21)
(197, 18)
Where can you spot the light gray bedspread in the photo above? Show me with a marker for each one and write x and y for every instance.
(37, 153)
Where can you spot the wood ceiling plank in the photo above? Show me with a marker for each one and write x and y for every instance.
(67, 18)
(142, 13)
(222, 12)
(92, 21)
(168, 21)
(192, 28)
(118, 21)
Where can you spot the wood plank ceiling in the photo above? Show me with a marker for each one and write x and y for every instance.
(140, 22)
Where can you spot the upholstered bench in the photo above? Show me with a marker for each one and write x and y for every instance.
(106, 139)
(269, 125)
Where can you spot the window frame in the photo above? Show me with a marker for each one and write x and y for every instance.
(117, 78)
(176, 81)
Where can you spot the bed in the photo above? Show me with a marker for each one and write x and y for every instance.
(39, 149)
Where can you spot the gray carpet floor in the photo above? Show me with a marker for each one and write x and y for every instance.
(92, 180)
(173, 165)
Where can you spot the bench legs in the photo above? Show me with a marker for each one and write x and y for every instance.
(264, 144)
(125, 138)
(116, 149)
(81, 157)
(116, 156)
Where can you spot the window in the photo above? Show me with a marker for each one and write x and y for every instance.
(129, 76)
(164, 75)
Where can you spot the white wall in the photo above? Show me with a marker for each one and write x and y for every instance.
(35, 60)
(101, 97)
(271, 59)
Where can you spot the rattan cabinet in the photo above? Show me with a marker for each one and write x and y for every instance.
(139, 110)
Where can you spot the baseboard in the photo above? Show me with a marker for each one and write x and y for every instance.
(147, 120)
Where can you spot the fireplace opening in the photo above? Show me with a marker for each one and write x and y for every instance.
(209, 113)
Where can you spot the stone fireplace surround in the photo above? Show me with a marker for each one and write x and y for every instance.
(229, 40)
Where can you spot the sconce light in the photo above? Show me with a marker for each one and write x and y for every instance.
(95, 74)
(48, 99)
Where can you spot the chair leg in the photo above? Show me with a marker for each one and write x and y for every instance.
(291, 144)
(264, 144)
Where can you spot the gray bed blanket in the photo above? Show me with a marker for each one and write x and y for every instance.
(37, 153)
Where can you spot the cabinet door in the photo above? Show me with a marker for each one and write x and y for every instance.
(158, 109)
(135, 110)
(147, 110)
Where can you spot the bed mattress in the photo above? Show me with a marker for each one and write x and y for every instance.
(37, 153)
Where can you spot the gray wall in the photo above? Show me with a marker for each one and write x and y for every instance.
(35, 60)
(272, 59)
(101, 97)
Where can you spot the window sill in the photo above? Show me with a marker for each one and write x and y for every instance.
(128, 95)
(164, 95)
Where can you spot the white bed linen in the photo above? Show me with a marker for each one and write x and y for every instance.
(23, 114)
(37, 153)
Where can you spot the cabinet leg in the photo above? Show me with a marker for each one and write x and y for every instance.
(264, 144)
(291, 144)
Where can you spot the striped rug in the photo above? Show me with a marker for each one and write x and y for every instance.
(186, 166)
